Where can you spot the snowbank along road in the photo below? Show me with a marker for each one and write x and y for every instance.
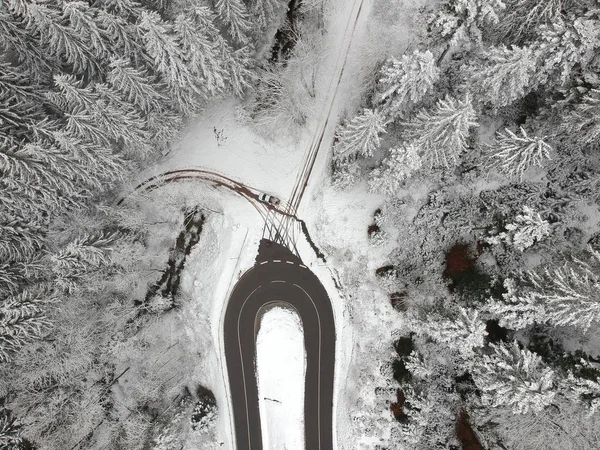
(280, 277)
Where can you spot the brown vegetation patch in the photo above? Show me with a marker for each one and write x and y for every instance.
(465, 434)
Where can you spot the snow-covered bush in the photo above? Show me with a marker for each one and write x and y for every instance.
(405, 82)
(513, 377)
(527, 229)
(514, 155)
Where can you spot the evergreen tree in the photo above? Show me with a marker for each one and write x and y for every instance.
(263, 11)
(442, 133)
(22, 319)
(81, 256)
(515, 378)
(55, 34)
(514, 155)
(234, 14)
(399, 164)
(568, 296)
(503, 75)
(161, 44)
(405, 82)
(522, 19)
(461, 22)
(527, 229)
(135, 85)
(200, 52)
(583, 123)
(359, 136)
(10, 431)
(463, 332)
(566, 46)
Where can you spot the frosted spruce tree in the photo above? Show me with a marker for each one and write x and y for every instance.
(583, 123)
(527, 229)
(461, 22)
(404, 82)
(441, 134)
(503, 75)
(513, 378)
(22, 319)
(567, 296)
(135, 86)
(462, 332)
(397, 166)
(234, 14)
(514, 154)
(360, 136)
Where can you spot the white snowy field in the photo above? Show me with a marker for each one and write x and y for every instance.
(281, 369)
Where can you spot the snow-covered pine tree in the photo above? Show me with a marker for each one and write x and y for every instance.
(584, 389)
(135, 85)
(441, 134)
(19, 238)
(403, 83)
(10, 431)
(16, 41)
(503, 76)
(462, 333)
(516, 310)
(564, 46)
(514, 378)
(514, 155)
(263, 11)
(583, 123)
(527, 229)
(22, 319)
(359, 136)
(234, 14)
(345, 174)
(97, 114)
(82, 255)
(522, 19)
(463, 21)
(200, 52)
(570, 295)
(54, 33)
(397, 166)
(161, 45)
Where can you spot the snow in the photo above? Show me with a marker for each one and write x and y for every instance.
(281, 369)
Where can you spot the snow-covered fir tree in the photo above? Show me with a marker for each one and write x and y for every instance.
(526, 230)
(514, 154)
(22, 319)
(503, 75)
(583, 123)
(465, 331)
(135, 85)
(441, 134)
(235, 15)
(516, 310)
(360, 136)
(514, 378)
(464, 21)
(566, 45)
(399, 164)
(404, 82)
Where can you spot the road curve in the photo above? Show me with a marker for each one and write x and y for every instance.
(279, 276)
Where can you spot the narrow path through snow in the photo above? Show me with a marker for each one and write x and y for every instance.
(281, 367)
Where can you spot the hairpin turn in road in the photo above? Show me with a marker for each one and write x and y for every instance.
(280, 277)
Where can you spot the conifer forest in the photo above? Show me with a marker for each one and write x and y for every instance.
(453, 208)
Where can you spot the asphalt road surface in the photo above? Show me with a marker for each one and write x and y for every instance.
(280, 277)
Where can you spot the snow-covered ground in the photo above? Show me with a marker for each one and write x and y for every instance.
(281, 368)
